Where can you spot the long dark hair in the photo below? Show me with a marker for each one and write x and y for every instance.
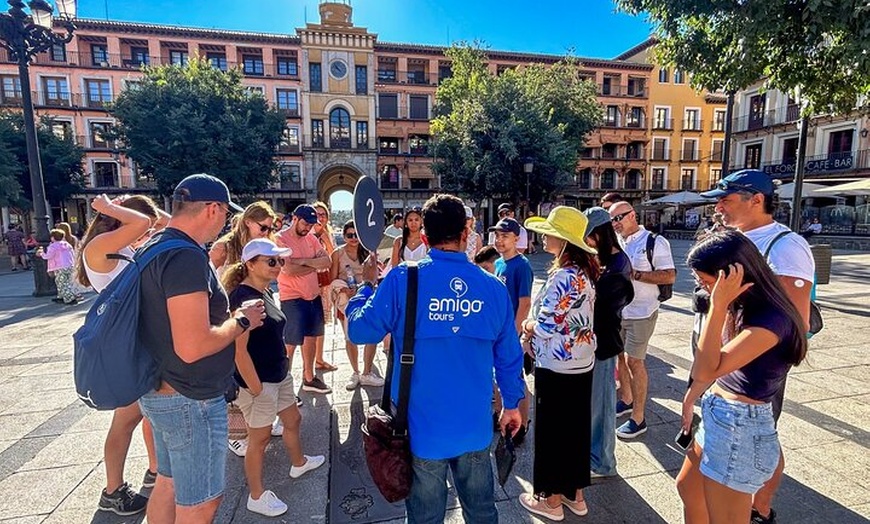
(605, 242)
(361, 253)
(719, 250)
(406, 232)
(104, 223)
(583, 260)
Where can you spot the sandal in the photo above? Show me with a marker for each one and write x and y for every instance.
(325, 366)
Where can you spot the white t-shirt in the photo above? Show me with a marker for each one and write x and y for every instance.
(646, 296)
(393, 231)
(790, 256)
(522, 242)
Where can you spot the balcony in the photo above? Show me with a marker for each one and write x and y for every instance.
(821, 164)
(289, 148)
(616, 90)
(661, 155)
(663, 124)
(770, 118)
(690, 155)
(693, 125)
(394, 76)
(634, 123)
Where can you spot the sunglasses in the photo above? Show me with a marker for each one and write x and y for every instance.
(350, 235)
(274, 261)
(265, 229)
(725, 185)
(618, 218)
(226, 209)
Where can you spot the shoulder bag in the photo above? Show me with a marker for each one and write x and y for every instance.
(816, 321)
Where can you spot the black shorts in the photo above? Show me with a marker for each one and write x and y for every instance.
(304, 319)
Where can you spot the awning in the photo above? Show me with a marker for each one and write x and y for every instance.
(858, 187)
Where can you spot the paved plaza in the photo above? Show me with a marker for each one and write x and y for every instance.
(51, 444)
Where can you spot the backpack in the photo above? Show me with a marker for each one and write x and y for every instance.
(817, 323)
(666, 291)
(111, 369)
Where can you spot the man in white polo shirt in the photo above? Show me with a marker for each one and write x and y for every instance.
(746, 201)
(639, 317)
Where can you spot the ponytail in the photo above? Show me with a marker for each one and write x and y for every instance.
(233, 276)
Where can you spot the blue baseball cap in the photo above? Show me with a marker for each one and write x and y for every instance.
(306, 213)
(750, 180)
(595, 216)
(507, 225)
(204, 188)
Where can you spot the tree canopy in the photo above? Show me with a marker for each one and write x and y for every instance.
(487, 126)
(193, 119)
(816, 47)
(62, 168)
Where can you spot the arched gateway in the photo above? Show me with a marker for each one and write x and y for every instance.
(336, 178)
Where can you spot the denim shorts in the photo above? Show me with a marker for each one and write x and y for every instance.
(190, 437)
(304, 319)
(739, 442)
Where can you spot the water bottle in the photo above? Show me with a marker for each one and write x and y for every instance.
(348, 272)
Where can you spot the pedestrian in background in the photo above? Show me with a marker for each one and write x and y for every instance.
(256, 221)
(474, 241)
(16, 249)
(61, 266)
(325, 235)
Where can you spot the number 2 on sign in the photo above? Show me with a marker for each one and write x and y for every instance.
(371, 205)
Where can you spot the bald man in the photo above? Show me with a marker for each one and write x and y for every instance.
(639, 317)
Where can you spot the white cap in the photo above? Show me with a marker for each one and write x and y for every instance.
(263, 247)
(468, 212)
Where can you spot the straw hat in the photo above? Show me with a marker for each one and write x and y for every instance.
(563, 222)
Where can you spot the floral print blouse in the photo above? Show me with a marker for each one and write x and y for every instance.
(563, 339)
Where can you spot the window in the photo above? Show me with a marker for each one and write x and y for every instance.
(361, 74)
(138, 56)
(388, 146)
(634, 150)
(419, 145)
(99, 92)
(290, 176)
(420, 183)
(62, 129)
(287, 66)
(607, 85)
(715, 175)
(584, 179)
(792, 110)
(105, 174)
(678, 77)
(57, 53)
(217, 60)
(632, 179)
(840, 142)
(11, 88)
(752, 156)
(339, 128)
(418, 107)
(635, 87)
(254, 90)
(178, 58)
(444, 72)
(288, 101)
(635, 117)
(289, 140)
(693, 120)
(789, 150)
(55, 91)
(99, 130)
(387, 72)
(663, 118)
(716, 155)
(317, 133)
(99, 55)
(417, 74)
(608, 151)
(390, 177)
(660, 149)
(663, 76)
(608, 179)
(718, 120)
(611, 116)
(658, 178)
(586, 152)
(362, 135)
(690, 150)
(756, 111)
(252, 65)
(315, 77)
(388, 105)
(687, 179)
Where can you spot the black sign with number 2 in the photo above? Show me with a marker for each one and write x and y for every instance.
(368, 213)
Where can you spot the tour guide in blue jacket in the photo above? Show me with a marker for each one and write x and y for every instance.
(465, 328)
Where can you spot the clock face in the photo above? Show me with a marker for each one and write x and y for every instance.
(338, 69)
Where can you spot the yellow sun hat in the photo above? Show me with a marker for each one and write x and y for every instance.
(563, 222)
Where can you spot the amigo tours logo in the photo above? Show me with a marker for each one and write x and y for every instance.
(446, 309)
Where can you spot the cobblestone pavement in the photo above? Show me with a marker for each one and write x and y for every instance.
(51, 467)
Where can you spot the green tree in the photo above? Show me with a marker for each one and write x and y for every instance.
(486, 126)
(816, 47)
(183, 120)
(62, 168)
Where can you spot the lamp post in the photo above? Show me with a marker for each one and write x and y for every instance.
(24, 36)
(528, 167)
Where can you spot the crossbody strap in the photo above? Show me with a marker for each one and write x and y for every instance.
(406, 359)
(651, 248)
(774, 241)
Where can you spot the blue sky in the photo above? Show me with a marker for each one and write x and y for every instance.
(591, 28)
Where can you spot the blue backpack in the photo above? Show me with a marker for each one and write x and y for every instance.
(111, 370)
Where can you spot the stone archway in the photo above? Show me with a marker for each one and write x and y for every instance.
(336, 178)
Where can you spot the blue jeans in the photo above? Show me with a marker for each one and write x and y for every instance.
(472, 476)
(603, 453)
(190, 437)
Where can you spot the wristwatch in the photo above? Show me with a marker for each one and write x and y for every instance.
(244, 323)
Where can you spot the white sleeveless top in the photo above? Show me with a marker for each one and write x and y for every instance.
(413, 255)
(99, 281)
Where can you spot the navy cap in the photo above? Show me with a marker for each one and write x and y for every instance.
(595, 216)
(507, 225)
(507, 206)
(204, 188)
(306, 213)
(750, 180)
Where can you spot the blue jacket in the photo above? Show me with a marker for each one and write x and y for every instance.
(465, 328)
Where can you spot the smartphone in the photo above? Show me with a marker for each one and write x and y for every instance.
(683, 440)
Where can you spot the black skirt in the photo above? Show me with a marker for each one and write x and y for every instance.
(563, 420)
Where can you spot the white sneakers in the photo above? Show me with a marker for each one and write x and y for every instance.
(353, 382)
(239, 447)
(277, 427)
(370, 379)
(268, 504)
(310, 464)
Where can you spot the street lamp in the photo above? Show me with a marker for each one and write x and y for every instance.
(528, 167)
(24, 36)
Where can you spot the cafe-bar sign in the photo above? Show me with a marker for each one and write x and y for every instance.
(840, 162)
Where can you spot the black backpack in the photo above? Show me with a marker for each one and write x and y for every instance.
(666, 291)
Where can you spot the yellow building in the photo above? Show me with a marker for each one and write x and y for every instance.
(686, 129)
